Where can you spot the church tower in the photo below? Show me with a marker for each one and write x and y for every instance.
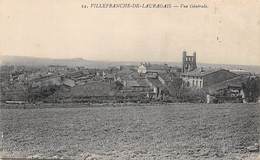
(188, 62)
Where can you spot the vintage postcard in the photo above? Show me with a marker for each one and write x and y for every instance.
(130, 79)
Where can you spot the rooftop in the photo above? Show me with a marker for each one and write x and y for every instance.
(240, 72)
(44, 77)
(234, 82)
(157, 67)
(167, 76)
(127, 74)
(202, 71)
(132, 83)
(155, 82)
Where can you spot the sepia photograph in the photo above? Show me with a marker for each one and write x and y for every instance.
(129, 80)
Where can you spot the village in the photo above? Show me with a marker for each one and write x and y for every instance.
(129, 111)
(143, 83)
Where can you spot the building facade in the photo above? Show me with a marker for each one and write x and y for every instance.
(201, 78)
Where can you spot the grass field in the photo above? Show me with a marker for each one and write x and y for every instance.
(176, 131)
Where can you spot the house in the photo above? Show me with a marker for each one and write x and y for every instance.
(156, 68)
(109, 77)
(68, 82)
(165, 78)
(176, 71)
(47, 80)
(151, 75)
(57, 68)
(35, 75)
(201, 78)
(124, 75)
(80, 77)
(229, 90)
(22, 77)
(156, 85)
(130, 84)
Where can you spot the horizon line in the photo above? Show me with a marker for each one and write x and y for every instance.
(134, 61)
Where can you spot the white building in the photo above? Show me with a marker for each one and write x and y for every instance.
(200, 78)
(152, 68)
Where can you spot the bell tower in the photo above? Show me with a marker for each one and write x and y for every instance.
(188, 62)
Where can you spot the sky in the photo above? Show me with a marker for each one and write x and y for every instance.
(227, 32)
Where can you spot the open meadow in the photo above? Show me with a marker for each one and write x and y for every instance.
(171, 131)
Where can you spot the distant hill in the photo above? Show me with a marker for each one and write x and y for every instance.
(35, 61)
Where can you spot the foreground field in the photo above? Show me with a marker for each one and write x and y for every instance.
(178, 131)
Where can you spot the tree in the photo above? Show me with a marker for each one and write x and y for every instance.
(251, 89)
(175, 87)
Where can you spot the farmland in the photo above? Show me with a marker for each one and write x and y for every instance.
(172, 131)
